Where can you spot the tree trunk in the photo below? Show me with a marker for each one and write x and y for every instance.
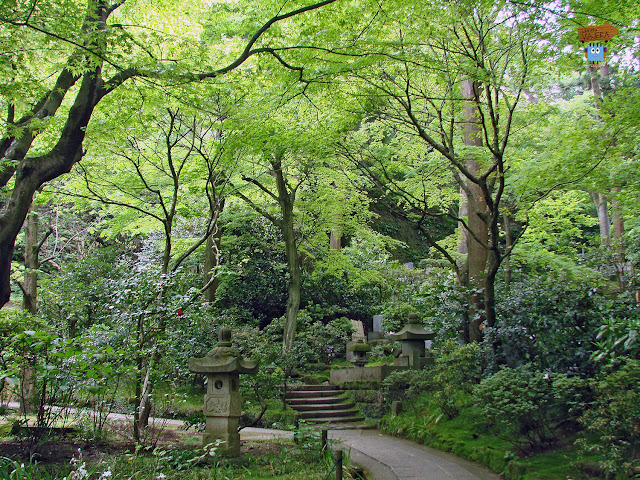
(31, 264)
(335, 239)
(618, 228)
(31, 173)
(477, 252)
(28, 388)
(509, 242)
(295, 283)
(286, 198)
(600, 201)
(212, 259)
(493, 261)
(30, 304)
(617, 240)
(463, 267)
(137, 433)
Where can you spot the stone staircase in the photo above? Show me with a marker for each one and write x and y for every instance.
(324, 404)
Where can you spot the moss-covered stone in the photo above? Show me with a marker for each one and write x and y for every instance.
(359, 347)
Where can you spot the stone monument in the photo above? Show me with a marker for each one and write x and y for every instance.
(413, 336)
(222, 367)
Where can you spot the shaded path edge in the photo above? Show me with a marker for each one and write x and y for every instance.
(373, 468)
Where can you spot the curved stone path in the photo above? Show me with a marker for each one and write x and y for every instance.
(389, 458)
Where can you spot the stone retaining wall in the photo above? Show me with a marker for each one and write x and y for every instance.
(362, 374)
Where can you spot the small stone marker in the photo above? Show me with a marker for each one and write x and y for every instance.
(396, 408)
(222, 401)
(377, 323)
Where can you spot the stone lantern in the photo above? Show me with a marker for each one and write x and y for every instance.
(412, 336)
(222, 401)
(358, 353)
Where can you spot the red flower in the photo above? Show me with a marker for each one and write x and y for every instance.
(179, 312)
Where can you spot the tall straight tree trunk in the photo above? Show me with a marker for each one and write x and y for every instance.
(463, 266)
(600, 201)
(295, 283)
(477, 253)
(30, 304)
(286, 197)
(617, 232)
(31, 264)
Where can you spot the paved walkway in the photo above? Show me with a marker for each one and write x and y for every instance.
(389, 458)
(247, 433)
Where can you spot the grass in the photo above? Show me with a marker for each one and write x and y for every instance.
(177, 449)
(292, 463)
(177, 455)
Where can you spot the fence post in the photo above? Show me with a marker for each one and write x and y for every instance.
(324, 438)
(296, 423)
(339, 465)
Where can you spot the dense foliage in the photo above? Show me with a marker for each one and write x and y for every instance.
(287, 170)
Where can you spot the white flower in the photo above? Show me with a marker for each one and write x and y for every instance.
(161, 476)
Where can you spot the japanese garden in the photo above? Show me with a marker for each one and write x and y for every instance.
(236, 236)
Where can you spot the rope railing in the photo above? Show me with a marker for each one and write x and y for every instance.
(337, 466)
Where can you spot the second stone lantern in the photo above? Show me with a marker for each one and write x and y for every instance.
(413, 336)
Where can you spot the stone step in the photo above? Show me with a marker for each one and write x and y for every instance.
(315, 388)
(318, 414)
(312, 393)
(324, 405)
(344, 421)
(347, 426)
(310, 407)
(294, 402)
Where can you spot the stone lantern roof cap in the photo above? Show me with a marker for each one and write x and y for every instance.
(413, 331)
(223, 358)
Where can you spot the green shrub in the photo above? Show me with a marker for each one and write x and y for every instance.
(613, 424)
(12, 322)
(572, 397)
(617, 337)
(517, 404)
(553, 321)
(458, 368)
(404, 385)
